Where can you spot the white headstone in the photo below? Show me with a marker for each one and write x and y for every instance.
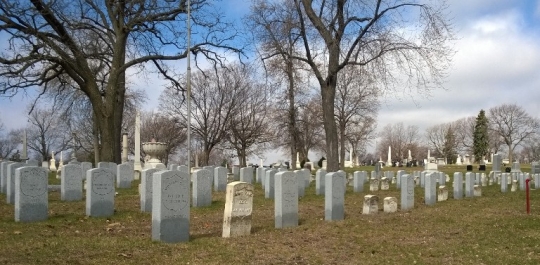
(430, 188)
(286, 199)
(100, 192)
(220, 179)
(31, 196)
(124, 176)
(319, 181)
(238, 209)
(371, 204)
(71, 186)
(202, 188)
(458, 185)
(385, 185)
(10, 181)
(469, 184)
(390, 205)
(334, 196)
(407, 192)
(246, 175)
(146, 188)
(269, 185)
(358, 181)
(373, 185)
(442, 193)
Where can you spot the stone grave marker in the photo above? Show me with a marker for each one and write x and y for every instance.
(483, 179)
(220, 179)
(319, 181)
(516, 167)
(469, 184)
(10, 181)
(146, 188)
(442, 193)
(85, 166)
(103, 164)
(371, 204)
(236, 172)
(407, 192)
(124, 176)
(423, 179)
(477, 191)
(258, 174)
(170, 206)
(399, 174)
(306, 175)
(373, 185)
(202, 188)
(458, 185)
(373, 175)
(334, 196)
(385, 183)
(246, 175)
(3, 176)
(390, 205)
(183, 168)
(172, 166)
(32, 163)
(430, 184)
(521, 179)
(100, 192)
(504, 182)
(299, 183)
(358, 181)
(496, 163)
(269, 185)
(238, 209)
(286, 199)
(71, 185)
(514, 186)
(31, 194)
(442, 178)
(535, 168)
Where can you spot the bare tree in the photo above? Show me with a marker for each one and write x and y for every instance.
(356, 102)
(275, 26)
(369, 34)
(310, 128)
(442, 139)
(400, 139)
(215, 96)
(48, 131)
(359, 135)
(513, 125)
(89, 46)
(463, 129)
(9, 142)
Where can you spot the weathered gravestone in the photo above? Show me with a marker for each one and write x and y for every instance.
(319, 181)
(371, 204)
(71, 185)
(430, 182)
(85, 166)
(146, 188)
(407, 192)
(286, 199)
(269, 185)
(458, 185)
(385, 183)
(299, 183)
(124, 176)
(477, 191)
(202, 188)
(10, 181)
(246, 175)
(170, 206)
(238, 209)
(442, 193)
(3, 176)
(469, 184)
(100, 192)
(220, 179)
(31, 194)
(334, 196)
(373, 185)
(514, 186)
(358, 181)
(390, 205)
(236, 172)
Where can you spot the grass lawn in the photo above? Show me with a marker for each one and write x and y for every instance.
(492, 229)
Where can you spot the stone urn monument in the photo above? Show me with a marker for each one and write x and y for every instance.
(154, 149)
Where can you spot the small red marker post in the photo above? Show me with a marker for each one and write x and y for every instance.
(527, 195)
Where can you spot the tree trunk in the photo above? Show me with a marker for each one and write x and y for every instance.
(342, 146)
(328, 92)
(292, 115)
(95, 132)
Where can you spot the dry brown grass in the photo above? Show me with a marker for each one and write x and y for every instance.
(492, 229)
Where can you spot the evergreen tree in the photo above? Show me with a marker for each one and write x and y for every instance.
(449, 148)
(480, 136)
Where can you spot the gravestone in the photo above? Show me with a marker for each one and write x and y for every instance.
(3, 176)
(390, 205)
(319, 181)
(514, 186)
(85, 166)
(483, 179)
(430, 192)
(371, 204)
(263, 176)
(458, 185)
(299, 183)
(269, 185)
(258, 174)
(469, 184)
(373, 185)
(477, 191)
(334, 196)
(535, 168)
(238, 209)
(71, 185)
(385, 185)
(32, 163)
(100, 192)
(306, 176)
(373, 175)
(31, 194)
(236, 172)
(504, 182)
(516, 167)
(220, 179)
(286, 199)
(344, 174)
(496, 163)
(442, 193)
(172, 166)
(184, 168)
(10, 181)
(407, 192)
(358, 181)
(170, 206)
(202, 188)
(146, 188)
(124, 176)
(246, 175)
(521, 180)
(399, 174)
(103, 164)
(442, 178)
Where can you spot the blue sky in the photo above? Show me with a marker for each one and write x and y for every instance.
(497, 61)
